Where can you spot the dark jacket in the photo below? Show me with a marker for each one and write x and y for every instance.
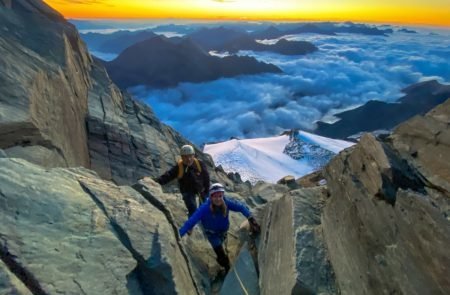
(193, 181)
(214, 221)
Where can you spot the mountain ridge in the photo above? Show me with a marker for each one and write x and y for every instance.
(158, 62)
(419, 98)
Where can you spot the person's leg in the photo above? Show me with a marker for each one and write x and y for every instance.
(216, 240)
(222, 257)
(189, 201)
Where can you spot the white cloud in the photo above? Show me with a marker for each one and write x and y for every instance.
(347, 71)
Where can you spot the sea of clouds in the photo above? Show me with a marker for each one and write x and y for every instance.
(347, 71)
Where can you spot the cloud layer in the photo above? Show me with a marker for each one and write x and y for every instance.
(347, 71)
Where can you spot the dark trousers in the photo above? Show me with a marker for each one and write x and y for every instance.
(222, 257)
(190, 202)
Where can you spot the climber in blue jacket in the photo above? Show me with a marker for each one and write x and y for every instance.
(214, 215)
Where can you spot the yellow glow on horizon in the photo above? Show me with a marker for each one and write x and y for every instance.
(434, 12)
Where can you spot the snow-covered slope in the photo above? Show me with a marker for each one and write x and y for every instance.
(272, 158)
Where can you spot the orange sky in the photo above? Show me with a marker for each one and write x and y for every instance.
(430, 12)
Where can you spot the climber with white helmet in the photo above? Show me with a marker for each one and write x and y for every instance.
(192, 175)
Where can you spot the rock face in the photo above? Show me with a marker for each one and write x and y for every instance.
(92, 237)
(59, 108)
(292, 253)
(386, 224)
(425, 142)
(44, 86)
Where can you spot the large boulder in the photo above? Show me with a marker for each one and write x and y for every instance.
(292, 256)
(384, 231)
(89, 235)
(425, 142)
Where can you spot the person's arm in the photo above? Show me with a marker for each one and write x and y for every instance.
(237, 206)
(240, 207)
(168, 176)
(192, 221)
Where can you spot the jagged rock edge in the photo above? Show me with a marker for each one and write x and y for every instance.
(141, 189)
(121, 234)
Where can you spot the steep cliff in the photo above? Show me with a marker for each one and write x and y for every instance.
(44, 83)
(59, 108)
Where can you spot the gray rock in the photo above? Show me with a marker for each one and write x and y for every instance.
(48, 220)
(289, 181)
(243, 277)
(3, 154)
(60, 109)
(384, 234)
(292, 256)
(425, 143)
(148, 236)
(47, 157)
(94, 236)
(44, 84)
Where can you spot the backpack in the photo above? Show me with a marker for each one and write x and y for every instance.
(181, 170)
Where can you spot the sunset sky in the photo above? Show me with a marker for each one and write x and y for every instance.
(432, 12)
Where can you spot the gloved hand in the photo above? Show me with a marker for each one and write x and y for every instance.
(254, 226)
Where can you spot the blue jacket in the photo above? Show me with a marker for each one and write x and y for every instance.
(214, 221)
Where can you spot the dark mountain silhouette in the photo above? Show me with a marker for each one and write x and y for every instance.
(224, 39)
(375, 115)
(350, 27)
(115, 42)
(273, 32)
(404, 30)
(161, 62)
(283, 46)
(215, 38)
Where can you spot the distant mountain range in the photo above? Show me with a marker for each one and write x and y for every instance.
(273, 32)
(223, 39)
(219, 39)
(375, 115)
(115, 42)
(163, 62)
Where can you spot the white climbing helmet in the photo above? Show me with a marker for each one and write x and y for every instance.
(187, 150)
(216, 187)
